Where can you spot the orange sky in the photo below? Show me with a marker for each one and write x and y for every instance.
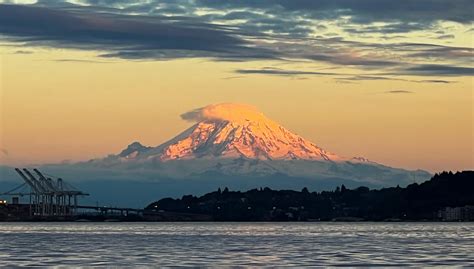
(53, 111)
(404, 105)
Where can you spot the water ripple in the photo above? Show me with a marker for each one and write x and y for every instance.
(242, 244)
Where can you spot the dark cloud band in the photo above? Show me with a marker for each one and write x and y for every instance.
(121, 35)
(243, 30)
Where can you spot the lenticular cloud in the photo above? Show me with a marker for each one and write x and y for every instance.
(224, 112)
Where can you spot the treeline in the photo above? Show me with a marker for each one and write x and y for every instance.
(414, 202)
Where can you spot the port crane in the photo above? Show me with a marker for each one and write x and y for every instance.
(49, 196)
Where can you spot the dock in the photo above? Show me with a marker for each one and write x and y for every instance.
(51, 198)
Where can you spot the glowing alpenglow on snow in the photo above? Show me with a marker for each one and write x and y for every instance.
(235, 131)
(238, 144)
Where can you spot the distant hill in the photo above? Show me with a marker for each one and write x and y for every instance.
(414, 202)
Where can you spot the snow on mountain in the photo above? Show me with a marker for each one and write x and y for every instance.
(229, 140)
(232, 131)
(133, 150)
(229, 145)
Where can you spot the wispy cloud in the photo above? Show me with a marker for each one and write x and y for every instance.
(347, 78)
(23, 52)
(233, 77)
(375, 77)
(281, 72)
(437, 70)
(80, 61)
(398, 92)
(438, 81)
(365, 78)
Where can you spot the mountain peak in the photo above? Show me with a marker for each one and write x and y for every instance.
(238, 140)
(133, 150)
(238, 131)
(231, 131)
(360, 159)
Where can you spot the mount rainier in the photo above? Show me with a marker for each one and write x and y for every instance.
(231, 145)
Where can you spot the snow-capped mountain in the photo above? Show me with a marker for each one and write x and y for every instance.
(237, 140)
(229, 145)
(242, 133)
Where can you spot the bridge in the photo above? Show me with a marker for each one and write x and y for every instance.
(108, 210)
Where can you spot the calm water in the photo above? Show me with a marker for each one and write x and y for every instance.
(246, 244)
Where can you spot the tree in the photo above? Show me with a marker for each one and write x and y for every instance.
(343, 188)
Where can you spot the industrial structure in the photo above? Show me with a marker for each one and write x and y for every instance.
(53, 199)
(47, 197)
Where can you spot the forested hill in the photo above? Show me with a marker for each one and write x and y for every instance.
(415, 202)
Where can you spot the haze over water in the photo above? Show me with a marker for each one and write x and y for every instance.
(227, 244)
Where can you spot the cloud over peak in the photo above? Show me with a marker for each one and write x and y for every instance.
(232, 112)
